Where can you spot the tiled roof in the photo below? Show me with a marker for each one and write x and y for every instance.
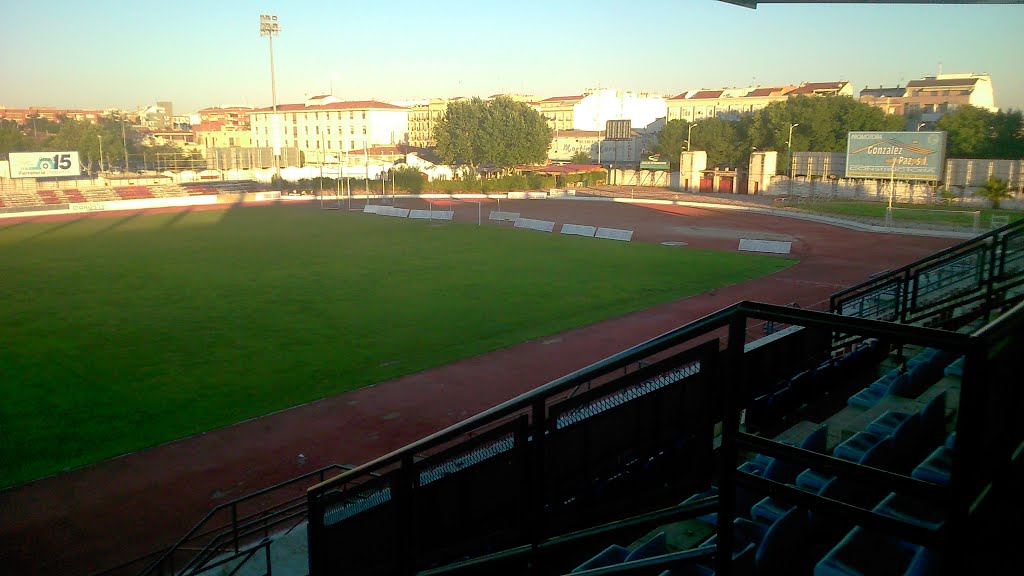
(355, 105)
(562, 98)
(770, 91)
(707, 94)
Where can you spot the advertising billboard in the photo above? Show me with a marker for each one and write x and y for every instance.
(901, 155)
(44, 164)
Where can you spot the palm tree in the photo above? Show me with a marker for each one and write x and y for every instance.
(994, 190)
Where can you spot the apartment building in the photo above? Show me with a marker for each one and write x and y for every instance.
(731, 103)
(324, 127)
(559, 111)
(930, 97)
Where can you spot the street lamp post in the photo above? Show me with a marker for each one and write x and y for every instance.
(789, 144)
(921, 125)
(688, 129)
(270, 28)
(100, 138)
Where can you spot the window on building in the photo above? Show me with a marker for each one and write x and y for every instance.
(364, 130)
(351, 115)
(317, 144)
(328, 130)
(364, 115)
(351, 144)
(306, 128)
(307, 143)
(316, 115)
(351, 129)
(328, 144)
(293, 117)
(317, 129)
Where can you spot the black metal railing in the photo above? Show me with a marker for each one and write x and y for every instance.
(231, 527)
(731, 382)
(965, 275)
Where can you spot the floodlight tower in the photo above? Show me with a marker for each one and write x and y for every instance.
(270, 28)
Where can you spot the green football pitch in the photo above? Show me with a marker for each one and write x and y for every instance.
(124, 332)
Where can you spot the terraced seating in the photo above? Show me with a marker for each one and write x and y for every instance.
(99, 194)
(49, 197)
(133, 192)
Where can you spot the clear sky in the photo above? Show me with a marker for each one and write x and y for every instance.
(106, 53)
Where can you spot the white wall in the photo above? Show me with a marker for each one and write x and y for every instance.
(594, 110)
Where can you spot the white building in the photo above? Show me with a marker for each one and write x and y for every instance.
(324, 126)
(595, 109)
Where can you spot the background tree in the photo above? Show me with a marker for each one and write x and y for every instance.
(977, 133)
(967, 131)
(722, 140)
(995, 191)
(581, 157)
(11, 138)
(499, 131)
(672, 139)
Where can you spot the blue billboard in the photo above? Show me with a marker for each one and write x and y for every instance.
(900, 155)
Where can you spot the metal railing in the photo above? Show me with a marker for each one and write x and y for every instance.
(230, 526)
(959, 498)
(969, 274)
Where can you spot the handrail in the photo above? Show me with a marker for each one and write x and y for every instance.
(980, 239)
(526, 400)
(899, 272)
(231, 505)
(640, 521)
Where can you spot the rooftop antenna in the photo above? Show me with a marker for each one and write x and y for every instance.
(940, 67)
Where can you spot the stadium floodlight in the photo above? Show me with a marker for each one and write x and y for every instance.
(270, 28)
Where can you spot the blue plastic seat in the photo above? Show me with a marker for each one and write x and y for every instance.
(783, 548)
(862, 552)
(936, 468)
(877, 456)
(769, 510)
(956, 368)
(656, 546)
(610, 556)
(912, 510)
(932, 420)
(711, 518)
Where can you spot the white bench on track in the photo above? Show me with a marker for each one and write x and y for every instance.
(371, 209)
(503, 216)
(767, 246)
(516, 196)
(392, 211)
(531, 224)
(442, 215)
(614, 234)
(536, 195)
(579, 230)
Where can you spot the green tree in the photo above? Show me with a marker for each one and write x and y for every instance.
(721, 139)
(968, 131)
(499, 131)
(11, 138)
(995, 190)
(581, 157)
(672, 139)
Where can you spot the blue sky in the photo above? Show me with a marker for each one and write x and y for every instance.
(196, 54)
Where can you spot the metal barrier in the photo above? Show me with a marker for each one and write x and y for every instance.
(231, 526)
(966, 275)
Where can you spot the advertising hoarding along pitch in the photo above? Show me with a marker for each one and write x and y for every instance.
(44, 164)
(900, 155)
